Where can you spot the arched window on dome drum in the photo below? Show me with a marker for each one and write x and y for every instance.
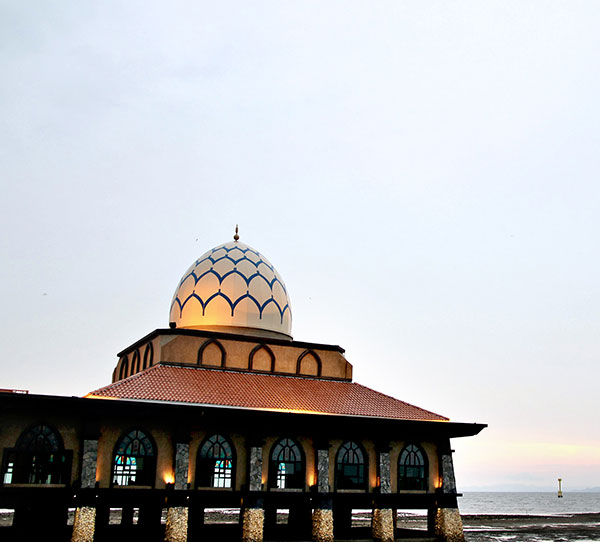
(214, 467)
(286, 467)
(134, 460)
(350, 467)
(135, 363)
(38, 458)
(412, 468)
(148, 355)
(124, 368)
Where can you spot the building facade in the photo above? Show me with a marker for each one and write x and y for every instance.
(223, 425)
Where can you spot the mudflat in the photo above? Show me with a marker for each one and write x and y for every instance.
(529, 528)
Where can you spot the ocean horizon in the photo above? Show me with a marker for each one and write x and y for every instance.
(528, 503)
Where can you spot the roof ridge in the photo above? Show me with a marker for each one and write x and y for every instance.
(232, 370)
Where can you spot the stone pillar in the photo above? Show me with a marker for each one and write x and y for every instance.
(176, 529)
(88, 463)
(383, 525)
(182, 462)
(256, 468)
(253, 523)
(448, 525)
(253, 519)
(323, 471)
(383, 518)
(84, 524)
(448, 480)
(447, 521)
(322, 518)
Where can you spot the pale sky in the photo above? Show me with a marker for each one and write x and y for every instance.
(424, 176)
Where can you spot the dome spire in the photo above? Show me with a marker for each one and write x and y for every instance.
(236, 237)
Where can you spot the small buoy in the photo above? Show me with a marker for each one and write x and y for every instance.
(560, 488)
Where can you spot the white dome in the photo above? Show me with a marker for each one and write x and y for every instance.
(232, 286)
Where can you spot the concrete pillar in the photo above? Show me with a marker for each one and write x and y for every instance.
(253, 519)
(84, 524)
(383, 518)
(176, 529)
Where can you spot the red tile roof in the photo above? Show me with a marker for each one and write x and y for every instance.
(196, 385)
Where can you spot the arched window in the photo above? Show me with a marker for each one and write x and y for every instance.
(412, 468)
(261, 358)
(124, 368)
(134, 460)
(286, 468)
(214, 467)
(135, 363)
(309, 363)
(148, 355)
(350, 467)
(212, 353)
(38, 458)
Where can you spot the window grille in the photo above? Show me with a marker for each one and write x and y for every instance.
(350, 467)
(215, 463)
(287, 465)
(134, 461)
(412, 469)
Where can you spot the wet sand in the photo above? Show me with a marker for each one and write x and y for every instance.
(531, 528)
(520, 528)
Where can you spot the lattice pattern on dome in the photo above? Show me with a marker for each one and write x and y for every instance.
(232, 285)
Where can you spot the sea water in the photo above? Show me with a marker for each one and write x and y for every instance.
(542, 504)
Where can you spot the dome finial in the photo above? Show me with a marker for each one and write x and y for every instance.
(236, 237)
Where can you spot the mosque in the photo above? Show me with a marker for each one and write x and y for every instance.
(223, 415)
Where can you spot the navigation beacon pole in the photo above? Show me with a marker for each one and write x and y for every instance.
(560, 488)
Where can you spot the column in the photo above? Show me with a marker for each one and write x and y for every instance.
(322, 519)
(254, 514)
(84, 524)
(176, 529)
(383, 517)
(182, 465)
(447, 521)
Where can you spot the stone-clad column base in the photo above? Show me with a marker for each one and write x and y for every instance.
(448, 525)
(177, 524)
(383, 525)
(322, 525)
(84, 524)
(253, 523)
